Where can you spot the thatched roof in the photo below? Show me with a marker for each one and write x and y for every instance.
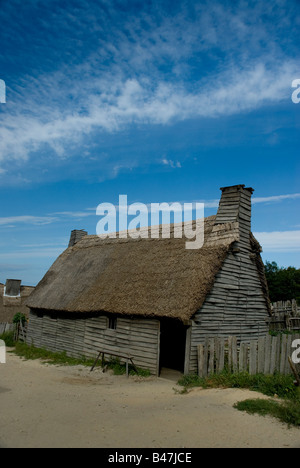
(146, 277)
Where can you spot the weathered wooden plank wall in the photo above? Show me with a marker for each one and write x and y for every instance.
(236, 304)
(87, 336)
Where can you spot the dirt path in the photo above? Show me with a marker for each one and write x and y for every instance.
(50, 406)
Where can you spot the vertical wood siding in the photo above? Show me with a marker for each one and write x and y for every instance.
(87, 336)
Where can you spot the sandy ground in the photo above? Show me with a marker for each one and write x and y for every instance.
(44, 406)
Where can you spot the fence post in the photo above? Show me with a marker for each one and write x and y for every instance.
(287, 369)
(273, 354)
(234, 354)
(243, 357)
(211, 362)
(229, 353)
(221, 360)
(217, 354)
(253, 358)
(261, 355)
(267, 354)
(283, 355)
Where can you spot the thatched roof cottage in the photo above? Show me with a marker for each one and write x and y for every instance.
(152, 298)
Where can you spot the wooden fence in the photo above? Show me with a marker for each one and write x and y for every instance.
(6, 327)
(18, 329)
(21, 332)
(289, 307)
(267, 355)
(285, 316)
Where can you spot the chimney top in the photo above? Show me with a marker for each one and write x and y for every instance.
(237, 187)
(235, 206)
(76, 236)
(13, 287)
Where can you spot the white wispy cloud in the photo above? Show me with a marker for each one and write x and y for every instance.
(27, 219)
(11, 221)
(258, 200)
(279, 241)
(75, 214)
(59, 110)
(276, 198)
(135, 101)
(171, 163)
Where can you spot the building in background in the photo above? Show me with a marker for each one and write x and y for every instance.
(12, 299)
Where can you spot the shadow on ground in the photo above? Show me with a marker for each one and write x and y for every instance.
(170, 374)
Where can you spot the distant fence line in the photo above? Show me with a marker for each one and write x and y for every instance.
(267, 355)
(285, 316)
(289, 307)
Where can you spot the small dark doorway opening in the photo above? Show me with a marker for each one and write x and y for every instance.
(172, 344)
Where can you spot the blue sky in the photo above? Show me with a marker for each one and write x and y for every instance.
(163, 101)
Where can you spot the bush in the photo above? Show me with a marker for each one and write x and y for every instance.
(19, 318)
(283, 283)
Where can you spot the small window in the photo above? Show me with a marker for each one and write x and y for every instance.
(112, 323)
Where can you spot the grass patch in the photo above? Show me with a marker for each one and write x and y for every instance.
(8, 338)
(270, 385)
(48, 357)
(287, 411)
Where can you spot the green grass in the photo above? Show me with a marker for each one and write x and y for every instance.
(8, 338)
(270, 385)
(287, 411)
(282, 386)
(48, 357)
